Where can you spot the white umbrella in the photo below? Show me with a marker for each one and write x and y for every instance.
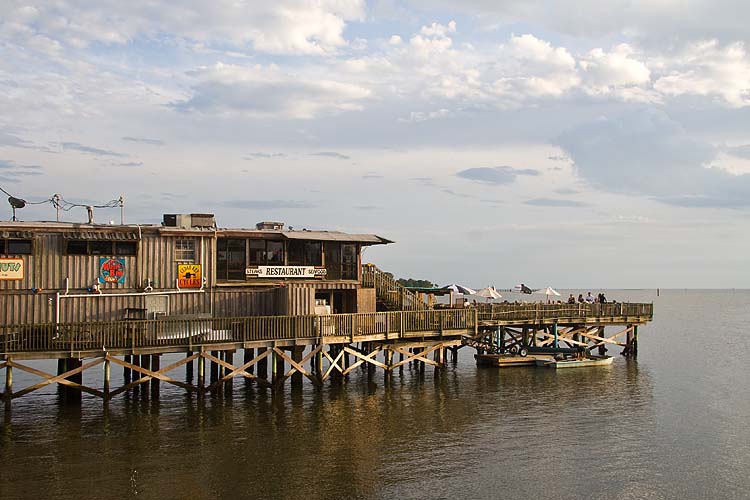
(548, 291)
(489, 292)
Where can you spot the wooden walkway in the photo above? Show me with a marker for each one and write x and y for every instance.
(336, 344)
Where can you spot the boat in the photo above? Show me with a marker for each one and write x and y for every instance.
(575, 362)
(509, 360)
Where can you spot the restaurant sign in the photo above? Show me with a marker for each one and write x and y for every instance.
(189, 275)
(11, 269)
(285, 272)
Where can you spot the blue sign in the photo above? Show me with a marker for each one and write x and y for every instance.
(112, 270)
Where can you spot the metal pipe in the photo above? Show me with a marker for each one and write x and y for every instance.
(134, 294)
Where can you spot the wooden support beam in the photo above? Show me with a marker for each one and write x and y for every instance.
(333, 363)
(369, 358)
(51, 379)
(420, 356)
(151, 374)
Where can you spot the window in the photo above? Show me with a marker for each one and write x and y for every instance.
(100, 247)
(230, 259)
(17, 247)
(257, 252)
(349, 262)
(184, 250)
(295, 255)
(275, 252)
(313, 253)
(2, 247)
(126, 248)
(77, 247)
(86, 247)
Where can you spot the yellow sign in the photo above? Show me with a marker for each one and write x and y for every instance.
(11, 269)
(189, 275)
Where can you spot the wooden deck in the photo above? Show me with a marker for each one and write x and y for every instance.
(336, 344)
(83, 340)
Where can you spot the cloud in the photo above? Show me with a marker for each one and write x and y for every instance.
(266, 204)
(368, 207)
(646, 153)
(495, 175)
(142, 140)
(231, 90)
(129, 164)
(708, 69)
(551, 202)
(251, 156)
(331, 154)
(74, 146)
(279, 27)
(742, 151)
(371, 175)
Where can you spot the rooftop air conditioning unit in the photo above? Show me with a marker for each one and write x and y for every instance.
(177, 220)
(203, 220)
(276, 226)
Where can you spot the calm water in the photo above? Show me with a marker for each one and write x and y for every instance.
(673, 424)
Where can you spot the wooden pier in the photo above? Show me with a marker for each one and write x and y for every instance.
(278, 348)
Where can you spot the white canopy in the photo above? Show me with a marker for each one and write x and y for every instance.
(489, 292)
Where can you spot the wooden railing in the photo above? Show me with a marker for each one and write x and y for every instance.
(539, 311)
(389, 291)
(196, 332)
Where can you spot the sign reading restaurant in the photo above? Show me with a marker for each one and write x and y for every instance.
(285, 272)
(11, 269)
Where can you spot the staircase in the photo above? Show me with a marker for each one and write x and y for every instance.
(389, 294)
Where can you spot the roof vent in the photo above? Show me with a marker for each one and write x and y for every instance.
(277, 226)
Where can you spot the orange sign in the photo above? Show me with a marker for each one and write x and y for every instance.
(189, 275)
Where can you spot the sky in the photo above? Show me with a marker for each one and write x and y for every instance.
(575, 145)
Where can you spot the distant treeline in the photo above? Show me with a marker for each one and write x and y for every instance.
(412, 283)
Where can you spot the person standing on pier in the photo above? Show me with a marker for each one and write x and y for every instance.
(589, 298)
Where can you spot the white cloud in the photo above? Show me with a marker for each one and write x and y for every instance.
(604, 71)
(708, 69)
(266, 91)
(282, 26)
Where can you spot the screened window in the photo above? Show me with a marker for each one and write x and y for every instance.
(349, 262)
(257, 252)
(100, 247)
(126, 248)
(18, 247)
(184, 250)
(275, 252)
(313, 253)
(230, 259)
(295, 253)
(77, 247)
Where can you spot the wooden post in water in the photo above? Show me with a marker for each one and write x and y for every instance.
(297, 357)
(201, 374)
(635, 341)
(189, 369)
(319, 364)
(155, 364)
(603, 347)
(8, 394)
(262, 365)
(136, 375)
(387, 375)
(274, 362)
(146, 363)
(213, 369)
(248, 355)
(74, 395)
(370, 366)
(126, 374)
(229, 358)
(106, 381)
(629, 342)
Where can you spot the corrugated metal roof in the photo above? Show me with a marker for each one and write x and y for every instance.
(373, 239)
(101, 235)
(16, 234)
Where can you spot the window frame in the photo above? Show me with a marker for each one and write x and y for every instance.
(7, 250)
(181, 253)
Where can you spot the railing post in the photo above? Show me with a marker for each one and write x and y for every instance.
(401, 327)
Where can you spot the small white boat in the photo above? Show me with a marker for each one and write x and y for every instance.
(575, 362)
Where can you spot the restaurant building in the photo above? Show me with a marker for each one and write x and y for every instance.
(186, 266)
